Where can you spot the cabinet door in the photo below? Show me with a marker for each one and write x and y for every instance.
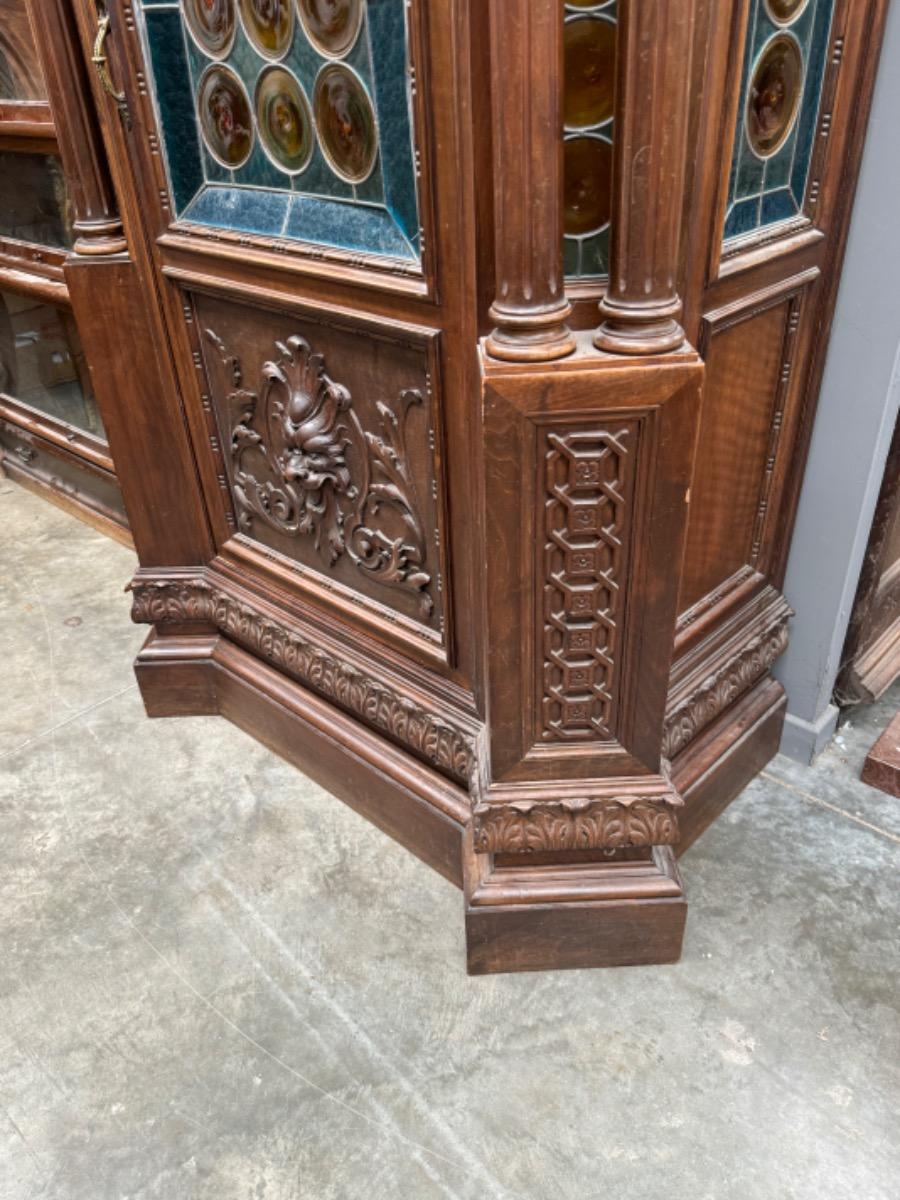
(788, 84)
(310, 254)
(51, 434)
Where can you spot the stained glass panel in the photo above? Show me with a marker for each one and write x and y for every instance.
(784, 65)
(589, 77)
(288, 118)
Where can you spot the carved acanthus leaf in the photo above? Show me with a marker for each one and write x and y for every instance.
(449, 749)
(610, 823)
(723, 686)
(302, 463)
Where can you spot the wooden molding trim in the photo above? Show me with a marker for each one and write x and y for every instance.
(586, 823)
(183, 601)
(735, 675)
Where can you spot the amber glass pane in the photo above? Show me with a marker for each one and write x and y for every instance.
(331, 25)
(345, 120)
(283, 119)
(590, 50)
(42, 363)
(785, 11)
(269, 24)
(212, 25)
(774, 95)
(587, 185)
(225, 117)
(34, 203)
(21, 77)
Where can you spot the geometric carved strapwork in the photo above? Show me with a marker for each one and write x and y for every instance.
(588, 477)
(315, 472)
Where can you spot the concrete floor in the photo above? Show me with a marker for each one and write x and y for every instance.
(215, 984)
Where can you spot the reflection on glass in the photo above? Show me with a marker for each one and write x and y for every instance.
(42, 363)
(34, 203)
(21, 77)
(590, 50)
(774, 95)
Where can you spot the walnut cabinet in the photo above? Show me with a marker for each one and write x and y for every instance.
(53, 200)
(459, 359)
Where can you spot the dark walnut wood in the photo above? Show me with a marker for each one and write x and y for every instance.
(882, 766)
(870, 661)
(512, 592)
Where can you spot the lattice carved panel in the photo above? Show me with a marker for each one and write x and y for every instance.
(588, 483)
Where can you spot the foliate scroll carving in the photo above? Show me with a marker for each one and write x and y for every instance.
(449, 749)
(723, 686)
(587, 480)
(612, 823)
(316, 472)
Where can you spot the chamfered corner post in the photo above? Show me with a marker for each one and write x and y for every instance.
(530, 309)
(641, 311)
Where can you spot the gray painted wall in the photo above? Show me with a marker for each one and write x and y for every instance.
(856, 415)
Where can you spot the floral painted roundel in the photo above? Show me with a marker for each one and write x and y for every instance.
(284, 120)
(211, 23)
(345, 119)
(331, 25)
(225, 117)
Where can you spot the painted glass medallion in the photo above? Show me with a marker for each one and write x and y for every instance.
(284, 120)
(774, 96)
(345, 120)
(587, 191)
(590, 54)
(225, 117)
(269, 25)
(783, 12)
(331, 25)
(211, 24)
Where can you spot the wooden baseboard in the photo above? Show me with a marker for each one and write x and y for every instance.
(522, 913)
(76, 503)
(711, 771)
(626, 912)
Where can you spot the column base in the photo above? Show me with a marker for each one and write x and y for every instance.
(627, 908)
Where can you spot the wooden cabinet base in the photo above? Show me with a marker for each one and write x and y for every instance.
(529, 912)
(718, 765)
(568, 915)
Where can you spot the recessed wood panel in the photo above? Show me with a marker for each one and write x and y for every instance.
(325, 440)
(743, 374)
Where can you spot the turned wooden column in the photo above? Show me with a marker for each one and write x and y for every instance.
(530, 309)
(97, 223)
(642, 308)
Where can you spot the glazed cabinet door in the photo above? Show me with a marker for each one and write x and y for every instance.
(52, 436)
(786, 86)
(309, 253)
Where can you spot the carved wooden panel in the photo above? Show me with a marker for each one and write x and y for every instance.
(589, 476)
(750, 349)
(585, 504)
(327, 447)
